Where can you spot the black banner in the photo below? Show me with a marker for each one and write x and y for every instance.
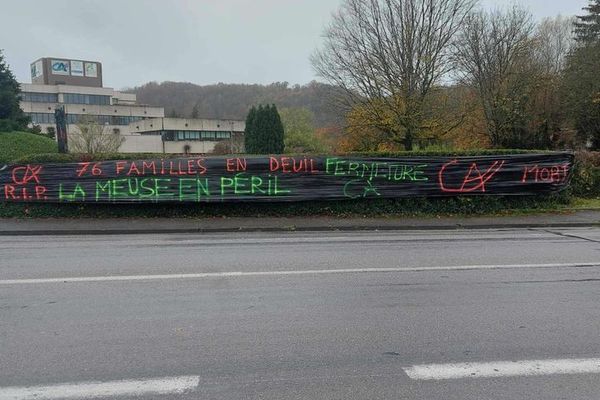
(283, 178)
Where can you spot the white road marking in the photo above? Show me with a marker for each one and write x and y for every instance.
(286, 273)
(83, 390)
(504, 369)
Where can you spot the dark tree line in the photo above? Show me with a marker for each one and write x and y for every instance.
(232, 101)
(400, 63)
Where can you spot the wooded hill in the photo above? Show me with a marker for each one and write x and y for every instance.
(233, 101)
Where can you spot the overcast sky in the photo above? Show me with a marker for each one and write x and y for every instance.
(200, 41)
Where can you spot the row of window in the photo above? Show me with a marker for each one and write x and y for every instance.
(104, 119)
(41, 118)
(93, 99)
(195, 135)
(48, 118)
(39, 97)
(68, 98)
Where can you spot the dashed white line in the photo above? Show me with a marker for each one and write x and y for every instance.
(500, 369)
(205, 275)
(86, 390)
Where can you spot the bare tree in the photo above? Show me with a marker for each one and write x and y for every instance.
(92, 138)
(493, 54)
(552, 42)
(387, 55)
(554, 38)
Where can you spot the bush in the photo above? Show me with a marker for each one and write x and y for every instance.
(51, 132)
(410, 207)
(586, 177)
(222, 148)
(8, 125)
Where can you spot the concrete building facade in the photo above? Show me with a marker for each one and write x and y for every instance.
(180, 135)
(143, 128)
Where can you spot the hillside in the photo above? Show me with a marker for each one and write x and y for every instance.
(14, 145)
(232, 101)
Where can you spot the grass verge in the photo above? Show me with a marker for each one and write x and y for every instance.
(15, 145)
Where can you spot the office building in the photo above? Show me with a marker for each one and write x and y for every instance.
(77, 86)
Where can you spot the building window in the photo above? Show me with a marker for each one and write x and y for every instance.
(93, 99)
(105, 119)
(154, 133)
(41, 118)
(39, 97)
(194, 135)
(73, 118)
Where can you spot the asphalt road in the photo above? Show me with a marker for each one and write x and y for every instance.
(302, 316)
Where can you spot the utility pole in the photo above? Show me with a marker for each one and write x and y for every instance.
(61, 129)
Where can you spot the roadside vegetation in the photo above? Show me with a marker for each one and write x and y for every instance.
(421, 207)
(15, 145)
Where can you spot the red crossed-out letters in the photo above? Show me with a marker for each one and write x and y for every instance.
(26, 174)
(473, 180)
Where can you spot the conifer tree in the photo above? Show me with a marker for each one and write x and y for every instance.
(195, 111)
(11, 115)
(264, 131)
(260, 125)
(581, 86)
(587, 27)
(250, 132)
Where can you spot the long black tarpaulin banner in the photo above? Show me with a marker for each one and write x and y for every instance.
(283, 178)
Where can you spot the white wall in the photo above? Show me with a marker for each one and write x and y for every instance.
(141, 144)
(196, 147)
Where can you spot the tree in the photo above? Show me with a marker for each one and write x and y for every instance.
(581, 87)
(587, 27)
(264, 131)
(91, 138)
(330, 137)
(471, 134)
(494, 55)
(388, 55)
(361, 135)
(300, 131)
(552, 41)
(277, 138)
(195, 111)
(250, 134)
(11, 115)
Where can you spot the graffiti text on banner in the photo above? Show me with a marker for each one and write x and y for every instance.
(283, 178)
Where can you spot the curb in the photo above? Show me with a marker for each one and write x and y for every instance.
(349, 228)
